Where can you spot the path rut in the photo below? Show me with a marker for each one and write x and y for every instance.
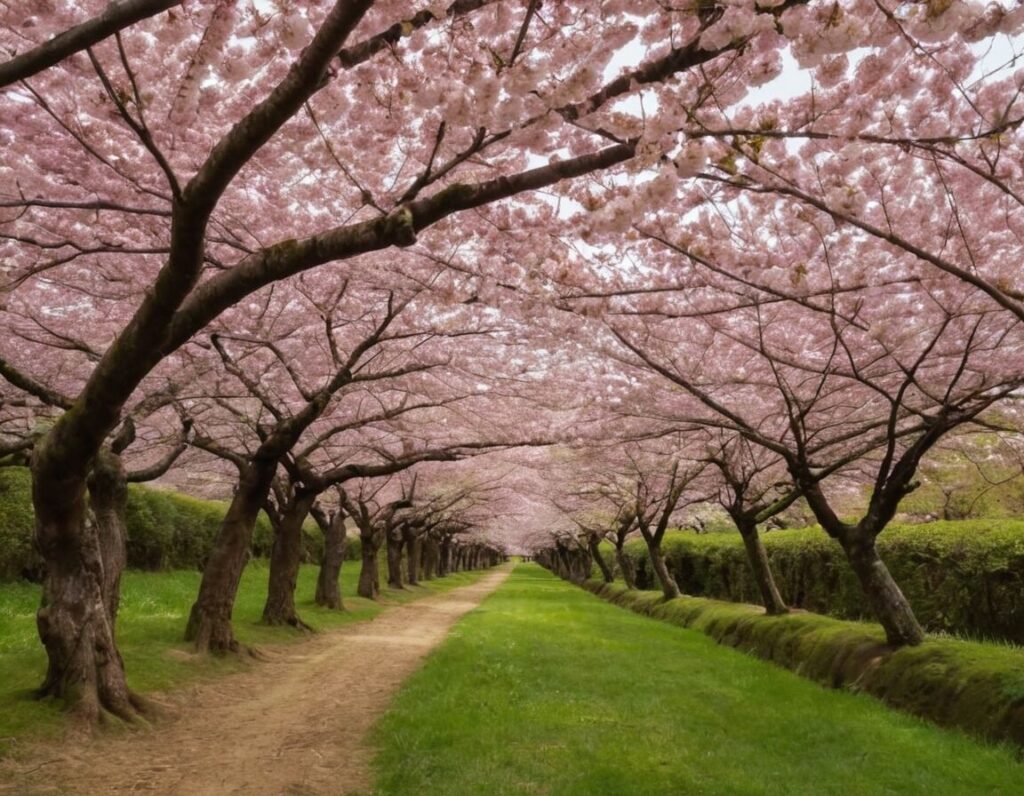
(294, 725)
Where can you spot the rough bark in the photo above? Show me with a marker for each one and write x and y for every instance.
(884, 596)
(108, 499)
(625, 567)
(369, 578)
(393, 543)
(74, 620)
(413, 549)
(561, 561)
(757, 556)
(116, 16)
(285, 559)
(209, 624)
(583, 564)
(669, 587)
(328, 591)
(595, 553)
(430, 553)
(444, 560)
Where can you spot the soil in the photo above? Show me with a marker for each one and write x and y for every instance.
(295, 724)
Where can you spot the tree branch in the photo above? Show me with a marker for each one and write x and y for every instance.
(116, 16)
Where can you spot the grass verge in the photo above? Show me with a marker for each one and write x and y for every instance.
(154, 608)
(977, 687)
(546, 690)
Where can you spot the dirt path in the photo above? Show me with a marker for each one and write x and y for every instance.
(295, 725)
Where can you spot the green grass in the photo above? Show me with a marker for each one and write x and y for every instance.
(977, 687)
(546, 689)
(154, 607)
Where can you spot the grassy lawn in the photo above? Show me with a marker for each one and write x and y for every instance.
(154, 607)
(546, 689)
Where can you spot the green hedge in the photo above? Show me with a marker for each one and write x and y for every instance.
(965, 578)
(975, 687)
(16, 522)
(166, 530)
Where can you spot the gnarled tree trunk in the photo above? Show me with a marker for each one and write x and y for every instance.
(108, 500)
(369, 577)
(328, 590)
(625, 567)
(669, 587)
(285, 559)
(884, 596)
(595, 553)
(412, 558)
(431, 558)
(209, 623)
(757, 556)
(393, 541)
(562, 568)
(76, 616)
(444, 560)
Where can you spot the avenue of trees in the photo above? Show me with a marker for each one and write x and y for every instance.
(484, 276)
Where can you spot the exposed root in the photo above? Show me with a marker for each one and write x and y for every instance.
(293, 620)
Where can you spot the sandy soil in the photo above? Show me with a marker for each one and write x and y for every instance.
(296, 724)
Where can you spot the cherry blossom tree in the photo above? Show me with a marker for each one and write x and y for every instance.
(663, 488)
(843, 389)
(374, 516)
(594, 497)
(332, 526)
(754, 488)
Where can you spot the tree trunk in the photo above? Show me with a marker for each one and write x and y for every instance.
(883, 594)
(394, 560)
(328, 592)
(430, 558)
(669, 587)
(595, 553)
(444, 560)
(209, 623)
(561, 562)
(108, 499)
(757, 556)
(285, 559)
(625, 567)
(412, 557)
(369, 581)
(84, 666)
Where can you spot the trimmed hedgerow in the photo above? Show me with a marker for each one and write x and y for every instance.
(965, 578)
(166, 530)
(972, 686)
(16, 520)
